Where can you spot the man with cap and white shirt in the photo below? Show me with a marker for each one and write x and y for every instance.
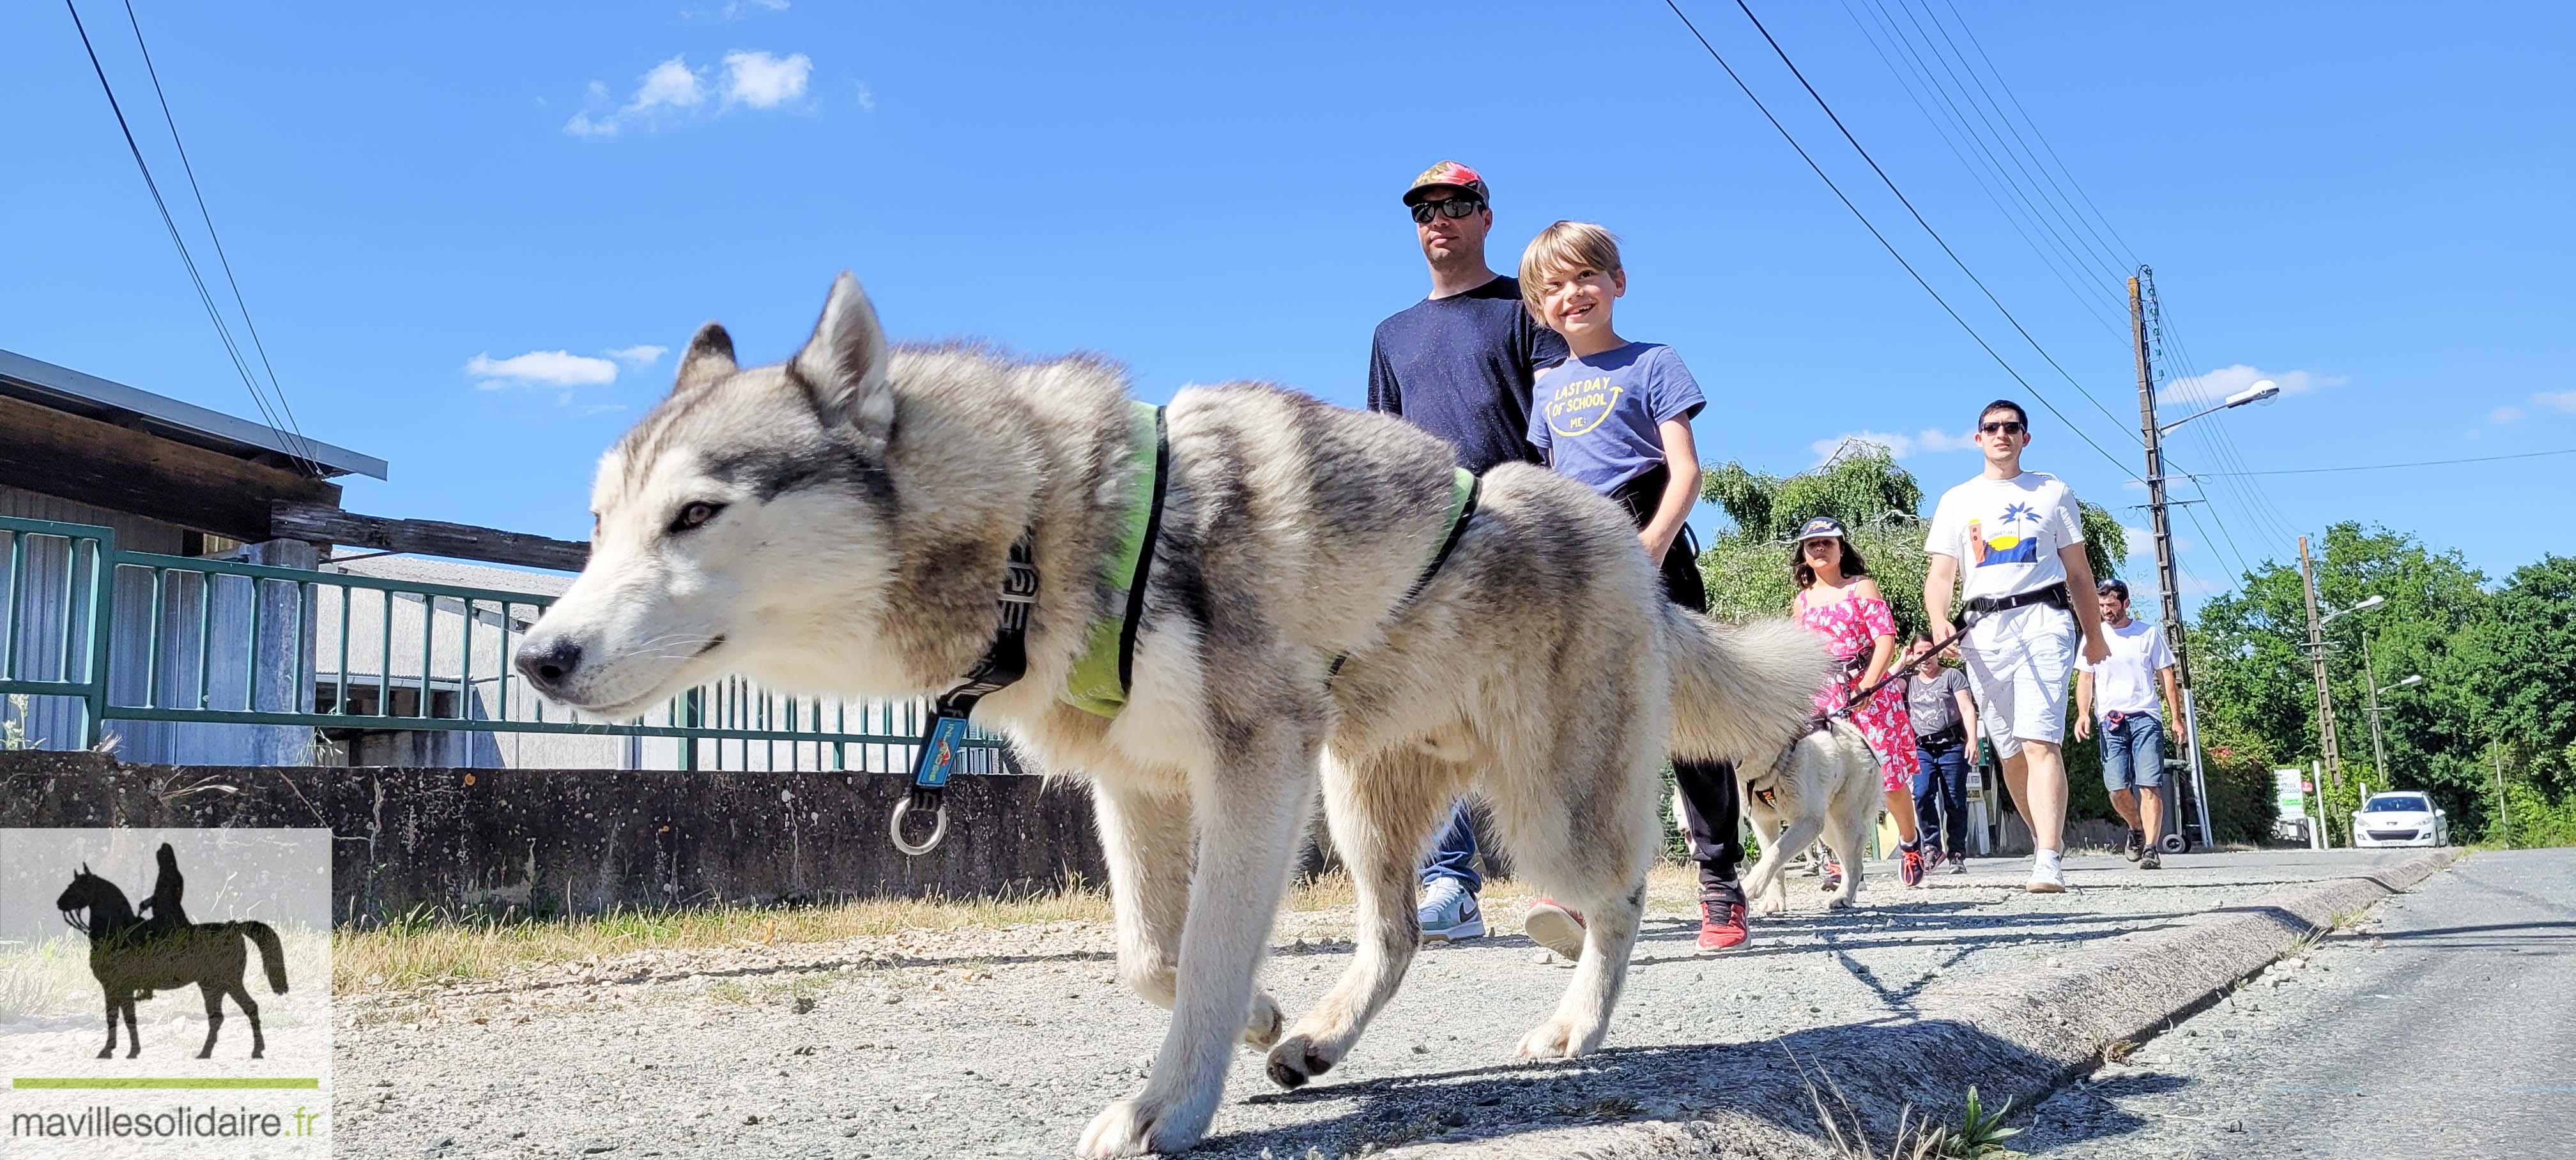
(2122, 691)
(1459, 364)
(2013, 543)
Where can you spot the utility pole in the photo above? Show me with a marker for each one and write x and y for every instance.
(2378, 750)
(2317, 653)
(2187, 730)
(2165, 579)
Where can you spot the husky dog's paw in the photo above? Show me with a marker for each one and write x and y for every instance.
(1560, 1038)
(1135, 1126)
(1299, 1058)
(1838, 902)
(1266, 1023)
(1772, 902)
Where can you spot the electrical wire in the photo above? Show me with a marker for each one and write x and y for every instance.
(221, 258)
(1908, 203)
(1903, 80)
(2390, 466)
(195, 277)
(1890, 247)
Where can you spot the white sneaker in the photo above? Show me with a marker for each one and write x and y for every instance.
(1449, 911)
(2046, 876)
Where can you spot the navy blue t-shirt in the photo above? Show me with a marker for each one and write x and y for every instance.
(1460, 367)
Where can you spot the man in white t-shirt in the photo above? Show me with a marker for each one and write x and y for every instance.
(2121, 693)
(2012, 542)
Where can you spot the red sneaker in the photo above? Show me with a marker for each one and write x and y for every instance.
(1721, 919)
(1833, 876)
(1909, 868)
(1553, 925)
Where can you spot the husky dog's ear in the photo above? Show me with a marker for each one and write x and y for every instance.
(709, 357)
(844, 365)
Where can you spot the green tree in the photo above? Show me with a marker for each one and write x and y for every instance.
(2253, 678)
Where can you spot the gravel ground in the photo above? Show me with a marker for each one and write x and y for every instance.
(2438, 1027)
(1006, 1042)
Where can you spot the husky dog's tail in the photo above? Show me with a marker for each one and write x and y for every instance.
(1741, 692)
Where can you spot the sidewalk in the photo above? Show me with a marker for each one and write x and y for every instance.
(1006, 1045)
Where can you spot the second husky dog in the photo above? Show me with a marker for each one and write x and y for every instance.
(845, 523)
(1826, 785)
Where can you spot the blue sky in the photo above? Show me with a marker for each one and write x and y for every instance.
(2366, 201)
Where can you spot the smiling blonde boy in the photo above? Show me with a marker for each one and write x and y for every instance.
(1616, 415)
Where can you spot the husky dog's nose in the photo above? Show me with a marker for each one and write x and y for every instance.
(549, 664)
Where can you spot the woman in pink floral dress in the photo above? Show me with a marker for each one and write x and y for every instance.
(1839, 602)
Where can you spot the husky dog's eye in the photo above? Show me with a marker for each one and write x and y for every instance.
(695, 515)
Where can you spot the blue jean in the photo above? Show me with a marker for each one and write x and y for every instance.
(1455, 856)
(1941, 793)
(2133, 753)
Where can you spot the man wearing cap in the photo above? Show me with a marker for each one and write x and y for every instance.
(2122, 690)
(1459, 364)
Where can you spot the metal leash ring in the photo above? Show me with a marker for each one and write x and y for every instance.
(894, 829)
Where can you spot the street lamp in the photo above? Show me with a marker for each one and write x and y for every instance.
(2364, 606)
(2261, 392)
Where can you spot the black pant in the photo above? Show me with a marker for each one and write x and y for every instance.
(1712, 813)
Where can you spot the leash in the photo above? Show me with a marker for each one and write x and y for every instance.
(2055, 596)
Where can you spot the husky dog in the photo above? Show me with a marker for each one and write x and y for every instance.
(840, 524)
(1827, 784)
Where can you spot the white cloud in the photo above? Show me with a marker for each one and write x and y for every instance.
(671, 84)
(672, 92)
(2141, 541)
(2218, 384)
(733, 10)
(763, 81)
(540, 368)
(639, 355)
(2557, 400)
(2503, 416)
(1896, 444)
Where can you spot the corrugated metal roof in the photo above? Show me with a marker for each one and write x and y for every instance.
(65, 389)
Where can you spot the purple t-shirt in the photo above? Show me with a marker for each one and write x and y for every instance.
(1595, 418)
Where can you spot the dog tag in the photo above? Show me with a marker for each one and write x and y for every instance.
(940, 747)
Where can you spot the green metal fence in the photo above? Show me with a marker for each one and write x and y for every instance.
(144, 637)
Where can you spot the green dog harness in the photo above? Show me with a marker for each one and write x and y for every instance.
(1106, 669)
(1100, 676)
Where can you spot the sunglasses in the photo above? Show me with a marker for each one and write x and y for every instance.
(2003, 427)
(1455, 207)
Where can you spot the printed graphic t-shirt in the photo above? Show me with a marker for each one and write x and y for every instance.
(2005, 533)
(1460, 367)
(1596, 417)
(1933, 705)
(2126, 682)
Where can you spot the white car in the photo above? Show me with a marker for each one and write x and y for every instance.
(2403, 818)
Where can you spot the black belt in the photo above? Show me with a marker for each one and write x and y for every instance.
(2054, 596)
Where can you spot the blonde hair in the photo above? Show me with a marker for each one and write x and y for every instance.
(1563, 248)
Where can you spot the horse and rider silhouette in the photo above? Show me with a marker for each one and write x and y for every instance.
(132, 956)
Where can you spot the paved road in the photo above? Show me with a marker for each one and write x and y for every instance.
(2444, 1026)
(1005, 1042)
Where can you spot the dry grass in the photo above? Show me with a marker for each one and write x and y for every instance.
(423, 947)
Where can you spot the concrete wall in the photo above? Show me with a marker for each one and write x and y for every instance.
(583, 841)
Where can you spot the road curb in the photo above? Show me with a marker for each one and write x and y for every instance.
(2018, 1035)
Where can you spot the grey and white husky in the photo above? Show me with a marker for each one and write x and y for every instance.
(840, 524)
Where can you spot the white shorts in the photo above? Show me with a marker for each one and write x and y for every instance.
(2019, 660)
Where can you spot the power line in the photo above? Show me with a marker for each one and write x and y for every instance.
(195, 277)
(1891, 249)
(221, 258)
(2388, 466)
(2034, 131)
(2088, 305)
(1918, 214)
